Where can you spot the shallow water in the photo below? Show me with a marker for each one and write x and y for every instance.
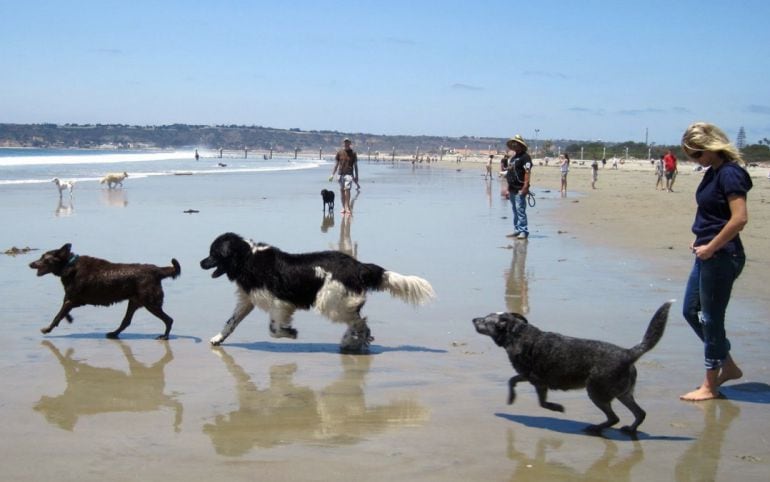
(428, 403)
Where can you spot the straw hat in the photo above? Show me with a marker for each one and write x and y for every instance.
(516, 138)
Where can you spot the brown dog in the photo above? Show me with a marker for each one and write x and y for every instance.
(94, 281)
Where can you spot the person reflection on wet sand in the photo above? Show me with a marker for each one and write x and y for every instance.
(608, 467)
(285, 413)
(93, 390)
(346, 245)
(517, 282)
(701, 460)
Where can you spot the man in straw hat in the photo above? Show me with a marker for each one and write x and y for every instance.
(519, 168)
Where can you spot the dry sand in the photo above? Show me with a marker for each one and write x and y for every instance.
(429, 402)
(626, 212)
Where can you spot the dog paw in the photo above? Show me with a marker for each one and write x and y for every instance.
(283, 332)
(216, 341)
(112, 335)
(593, 429)
(45, 330)
(354, 350)
(630, 430)
(553, 406)
(161, 337)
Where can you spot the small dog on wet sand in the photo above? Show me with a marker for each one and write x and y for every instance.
(333, 283)
(94, 281)
(63, 185)
(328, 199)
(557, 362)
(114, 179)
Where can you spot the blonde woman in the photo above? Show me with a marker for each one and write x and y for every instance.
(719, 255)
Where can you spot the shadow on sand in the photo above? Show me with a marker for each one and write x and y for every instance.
(123, 337)
(325, 348)
(574, 427)
(751, 392)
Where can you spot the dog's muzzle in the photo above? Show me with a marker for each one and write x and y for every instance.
(208, 263)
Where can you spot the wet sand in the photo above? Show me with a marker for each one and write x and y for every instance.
(429, 402)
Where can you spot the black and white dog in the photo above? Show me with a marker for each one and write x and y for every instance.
(331, 282)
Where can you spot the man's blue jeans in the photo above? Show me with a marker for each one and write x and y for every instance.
(705, 303)
(519, 206)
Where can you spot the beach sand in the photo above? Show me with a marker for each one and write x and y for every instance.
(429, 402)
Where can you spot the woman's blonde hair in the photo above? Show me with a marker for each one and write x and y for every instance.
(702, 136)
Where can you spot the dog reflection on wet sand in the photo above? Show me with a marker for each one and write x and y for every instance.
(285, 413)
(96, 390)
(609, 466)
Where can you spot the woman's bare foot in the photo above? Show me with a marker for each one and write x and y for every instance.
(701, 394)
(708, 390)
(729, 371)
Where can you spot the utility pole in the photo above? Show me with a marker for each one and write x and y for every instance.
(740, 141)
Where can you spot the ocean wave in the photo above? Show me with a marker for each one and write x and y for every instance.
(106, 158)
(177, 172)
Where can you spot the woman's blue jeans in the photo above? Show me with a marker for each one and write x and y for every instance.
(705, 303)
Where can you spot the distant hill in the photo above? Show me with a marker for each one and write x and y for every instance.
(228, 137)
(258, 138)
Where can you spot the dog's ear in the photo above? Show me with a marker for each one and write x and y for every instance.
(520, 318)
(223, 248)
(511, 317)
(513, 323)
(66, 249)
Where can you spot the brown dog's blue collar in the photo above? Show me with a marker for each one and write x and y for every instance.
(73, 257)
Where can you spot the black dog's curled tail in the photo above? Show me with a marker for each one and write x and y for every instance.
(172, 271)
(654, 332)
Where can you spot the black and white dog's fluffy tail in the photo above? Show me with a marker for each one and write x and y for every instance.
(412, 289)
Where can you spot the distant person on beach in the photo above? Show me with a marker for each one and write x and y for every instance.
(564, 172)
(659, 172)
(197, 156)
(669, 164)
(719, 256)
(604, 162)
(504, 164)
(488, 171)
(594, 173)
(346, 164)
(518, 176)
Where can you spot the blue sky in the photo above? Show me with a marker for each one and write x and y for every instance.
(591, 70)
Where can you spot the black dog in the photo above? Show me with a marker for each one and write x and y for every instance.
(557, 362)
(328, 198)
(333, 283)
(94, 281)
